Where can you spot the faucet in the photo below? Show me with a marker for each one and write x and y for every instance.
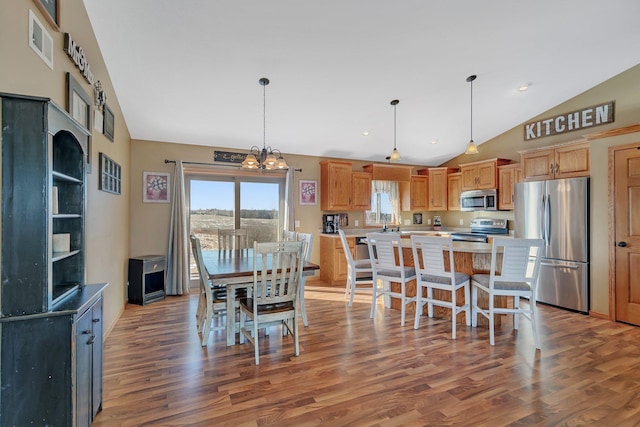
(385, 228)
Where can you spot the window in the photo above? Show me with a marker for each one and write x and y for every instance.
(385, 204)
(232, 202)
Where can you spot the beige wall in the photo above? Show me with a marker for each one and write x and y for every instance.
(23, 72)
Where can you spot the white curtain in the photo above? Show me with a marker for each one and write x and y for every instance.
(178, 252)
(289, 201)
(391, 189)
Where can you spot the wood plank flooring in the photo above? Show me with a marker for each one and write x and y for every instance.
(357, 371)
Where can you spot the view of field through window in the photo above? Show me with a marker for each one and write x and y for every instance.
(214, 206)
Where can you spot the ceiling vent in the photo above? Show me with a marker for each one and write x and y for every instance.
(40, 40)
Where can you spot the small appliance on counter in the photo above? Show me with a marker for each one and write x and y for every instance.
(436, 222)
(331, 223)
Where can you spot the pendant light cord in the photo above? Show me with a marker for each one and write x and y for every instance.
(395, 122)
(264, 116)
(471, 120)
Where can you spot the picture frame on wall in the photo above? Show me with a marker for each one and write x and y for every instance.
(308, 192)
(155, 187)
(108, 124)
(79, 108)
(51, 11)
(110, 175)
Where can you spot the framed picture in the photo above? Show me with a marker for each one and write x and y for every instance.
(110, 175)
(155, 187)
(108, 122)
(417, 218)
(308, 192)
(51, 11)
(78, 102)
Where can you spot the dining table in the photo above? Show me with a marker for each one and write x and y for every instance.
(234, 269)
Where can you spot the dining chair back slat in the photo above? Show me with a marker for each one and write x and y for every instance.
(233, 239)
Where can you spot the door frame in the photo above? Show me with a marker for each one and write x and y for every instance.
(612, 224)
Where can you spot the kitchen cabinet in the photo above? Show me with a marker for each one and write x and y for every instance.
(562, 161)
(438, 183)
(454, 188)
(335, 185)
(342, 189)
(414, 194)
(360, 191)
(333, 263)
(508, 176)
(482, 175)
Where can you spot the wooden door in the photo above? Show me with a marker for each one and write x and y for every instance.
(360, 191)
(572, 161)
(627, 235)
(419, 191)
(538, 165)
(487, 176)
(469, 177)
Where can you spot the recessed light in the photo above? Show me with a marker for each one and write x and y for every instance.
(365, 133)
(524, 87)
(435, 141)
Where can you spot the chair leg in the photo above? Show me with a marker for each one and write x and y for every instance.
(516, 305)
(301, 304)
(255, 339)
(296, 343)
(492, 339)
(208, 318)
(474, 304)
(534, 321)
(374, 298)
(351, 283)
(454, 311)
(467, 300)
(429, 304)
(419, 306)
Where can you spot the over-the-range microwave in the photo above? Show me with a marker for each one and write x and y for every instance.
(479, 200)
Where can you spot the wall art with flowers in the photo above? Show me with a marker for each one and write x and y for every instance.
(308, 192)
(156, 187)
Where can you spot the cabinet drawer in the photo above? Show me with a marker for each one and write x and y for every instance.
(150, 266)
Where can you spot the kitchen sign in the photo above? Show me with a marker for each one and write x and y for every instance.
(228, 157)
(587, 117)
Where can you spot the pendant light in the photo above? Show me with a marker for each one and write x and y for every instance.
(472, 148)
(395, 155)
(265, 158)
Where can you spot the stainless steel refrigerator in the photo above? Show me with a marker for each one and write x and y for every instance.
(558, 212)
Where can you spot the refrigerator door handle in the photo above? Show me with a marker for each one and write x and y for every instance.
(543, 220)
(571, 267)
(548, 219)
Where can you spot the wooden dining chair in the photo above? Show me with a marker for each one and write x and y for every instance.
(515, 267)
(277, 272)
(429, 259)
(359, 272)
(308, 239)
(233, 239)
(387, 261)
(212, 301)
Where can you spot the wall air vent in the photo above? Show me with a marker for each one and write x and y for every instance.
(40, 40)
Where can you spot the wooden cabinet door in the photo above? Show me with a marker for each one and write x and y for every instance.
(487, 176)
(438, 189)
(469, 177)
(572, 161)
(507, 177)
(335, 186)
(454, 187)
(360, 191)
(538, 165)
(419, 192)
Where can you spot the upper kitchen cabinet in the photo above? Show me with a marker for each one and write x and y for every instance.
(414, 194)
(342, 189)
(482, 175)
(438, 183)
(335, 185)
(360, 191)
(508, 176)
(561, 161)
(454, 188)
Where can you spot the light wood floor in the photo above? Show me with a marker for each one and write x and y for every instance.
(357, 371)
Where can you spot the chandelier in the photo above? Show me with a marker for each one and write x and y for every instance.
(264, 158)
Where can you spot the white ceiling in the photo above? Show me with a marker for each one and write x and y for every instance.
(187, 71)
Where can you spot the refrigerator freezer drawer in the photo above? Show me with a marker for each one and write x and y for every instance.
(564, 284)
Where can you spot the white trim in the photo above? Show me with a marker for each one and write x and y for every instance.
(41, 43)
